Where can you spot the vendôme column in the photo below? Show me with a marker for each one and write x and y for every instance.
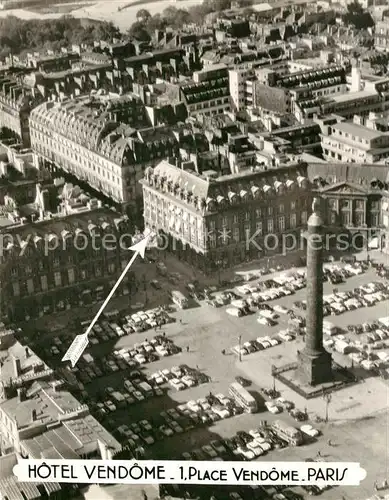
(314, 362)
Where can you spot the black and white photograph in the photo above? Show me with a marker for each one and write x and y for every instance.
(194, 250)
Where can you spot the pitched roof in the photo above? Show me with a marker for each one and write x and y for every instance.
(183, 178)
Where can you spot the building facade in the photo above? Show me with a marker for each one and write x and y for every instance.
(352, 142)
(208, 94)
(15, 106)
(221, 221)
(354, 201)
(100, 144)
(63, 262)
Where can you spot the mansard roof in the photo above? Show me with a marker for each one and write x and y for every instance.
(201, 193)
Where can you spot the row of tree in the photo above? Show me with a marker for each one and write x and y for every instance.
(171, 17)
(18, 35)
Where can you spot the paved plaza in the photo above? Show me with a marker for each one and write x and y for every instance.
(358, 415)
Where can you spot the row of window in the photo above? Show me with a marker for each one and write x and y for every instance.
(358, 219)
(69, 277)
(272, 225)
(335, 204)
(259, 214)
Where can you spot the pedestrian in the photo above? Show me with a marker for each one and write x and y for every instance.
(164, 334)
(187, 348)
(197, 367)
(319, 453)
(180, 321)
(329, 442)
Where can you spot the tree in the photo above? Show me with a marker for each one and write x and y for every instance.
(217, 5)
(244, 3)
(143, 15)
(356, 16)
(175, 18)
(20, 34)
(156, 23)
(139, 32)
(198, 12)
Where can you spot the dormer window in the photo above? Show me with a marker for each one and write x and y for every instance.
(232, 197)
(278, 186)
(255, 191)
(210, 204)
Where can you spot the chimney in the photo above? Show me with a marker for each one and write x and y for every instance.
(33, 415)
(17, 367)
(27, 352)
(22, 394)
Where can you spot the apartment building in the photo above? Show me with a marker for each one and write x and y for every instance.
(381, 37)
(15, 105)
(62, 261)
(214, 220)
(239, 81)
(208, 93)
(374, 97)
(39, 417)
(297, 93)
(97, 142)
(354, 142)
(163, 64)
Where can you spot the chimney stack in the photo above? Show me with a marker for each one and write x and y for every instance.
(33, 415)
(17, 367)
(27, 352)
(22, 396)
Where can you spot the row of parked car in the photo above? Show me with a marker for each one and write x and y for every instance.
(109, 330)
(183, 418)
(245, 445)
(138, 386)
(336, 274)
(90, 367)
(362, 353)
(280, 404)
(147, 351)
(262, 343)
(275, 288)
(179, 377)
(362, 296)
(256, 293)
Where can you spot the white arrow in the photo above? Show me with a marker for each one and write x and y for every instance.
(80, 343)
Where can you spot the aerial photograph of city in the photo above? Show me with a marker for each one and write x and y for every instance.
(194, 241)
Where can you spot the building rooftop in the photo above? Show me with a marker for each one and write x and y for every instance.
(12, 489)
(357, 130)
(28, 362)
(48, 404)
(34, 234)
(351, 96)
(202, 193)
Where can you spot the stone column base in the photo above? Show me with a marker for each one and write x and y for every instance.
(314, 368)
